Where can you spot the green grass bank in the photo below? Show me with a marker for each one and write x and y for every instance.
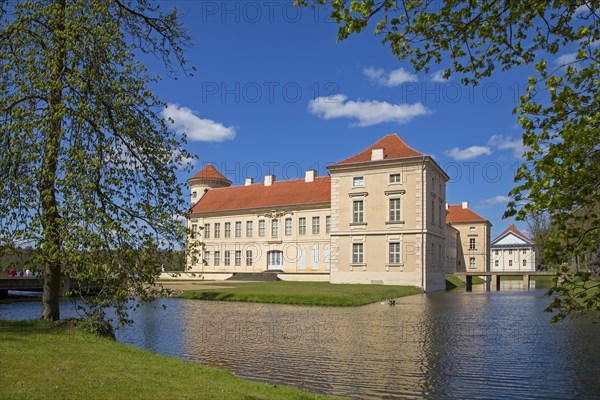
(300, 293)
(453, 282)
(58, 361)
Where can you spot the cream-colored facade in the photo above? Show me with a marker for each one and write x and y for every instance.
(403, 213)
(258, 240)
(380, 217)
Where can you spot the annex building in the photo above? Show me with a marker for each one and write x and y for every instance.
(379, 217)
(513, 251)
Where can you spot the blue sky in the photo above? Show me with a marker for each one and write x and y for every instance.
(271, 77)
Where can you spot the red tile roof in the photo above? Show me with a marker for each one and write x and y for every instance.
(284, 193)
(393, 148)
(512, 228)
(458, 214)
(209, 172)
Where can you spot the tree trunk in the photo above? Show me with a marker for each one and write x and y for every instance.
(51, 221)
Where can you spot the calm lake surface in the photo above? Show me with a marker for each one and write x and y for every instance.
(478, 345)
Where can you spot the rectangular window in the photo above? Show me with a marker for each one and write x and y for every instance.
(440, 214)
(249, 227)
(524, 251)
(316, 225)
(206, 231)
(394, 178)
(328, 224)
(238, 228)
(315, 258)
(194, 230)
(227, 259)
(510, 252)
(432, 212)
(358, 181)
(206, 257)
(357, 253)
(394, 253)
(227, 229)
(217, 258)
(357, 211)
(302, 226)
(394, 210)
(288, 227)
(275, 228)
(510, 263)
(472, 244)
(524, 263)
(495, 252)
(302, 259)
(261, 228)
(496, 263)
(217, 230)
(472, 229)
(249, 258)
(472, 262)
(238, 258)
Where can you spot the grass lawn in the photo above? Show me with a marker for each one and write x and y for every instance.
(41, 360)
(301, 293)
(453, 282)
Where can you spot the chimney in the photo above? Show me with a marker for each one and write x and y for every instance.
(377, 154)
(269, 179)
(249, 181)
(310, 176)
(465, 204)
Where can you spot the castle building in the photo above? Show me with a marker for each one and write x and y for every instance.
(469, 240)
(513, 251)
(379, 217)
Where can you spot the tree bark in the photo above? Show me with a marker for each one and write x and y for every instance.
(51, 220)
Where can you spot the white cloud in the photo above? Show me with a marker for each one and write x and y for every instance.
(468, 153)
(492, 201)
(438, 76)
(506, 143)
(196, 128)
(366, 112)
(393, 78)
(566, 59)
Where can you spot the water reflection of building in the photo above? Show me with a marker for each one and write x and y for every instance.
(379, 217)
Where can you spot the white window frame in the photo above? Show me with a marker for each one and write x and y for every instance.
(302, 226)
(288, 227)
(358, 216)
(217, 230)
(207, 231)
(275, 228)
(227, 229)
(395, 178)
(316, 225)
(394, 253)
(358, 253)
(358, 181)
(238, 229)
(249, 228)
(395, 214)
(261, 228)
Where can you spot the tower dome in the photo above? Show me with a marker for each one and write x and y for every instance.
(207, 178)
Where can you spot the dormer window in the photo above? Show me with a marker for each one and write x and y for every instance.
(194, 194)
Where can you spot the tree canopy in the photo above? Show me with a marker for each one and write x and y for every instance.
(559, 112)
(87, 167)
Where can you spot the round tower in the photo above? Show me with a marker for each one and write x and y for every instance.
(208, 178)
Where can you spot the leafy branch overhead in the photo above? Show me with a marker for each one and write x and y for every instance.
(87, 164)
(559, 111)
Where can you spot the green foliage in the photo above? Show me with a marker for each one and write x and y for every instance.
(87, 168)
(576, 293)
(301, 293)
(559, 113)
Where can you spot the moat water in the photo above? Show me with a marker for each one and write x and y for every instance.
(478, 345)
